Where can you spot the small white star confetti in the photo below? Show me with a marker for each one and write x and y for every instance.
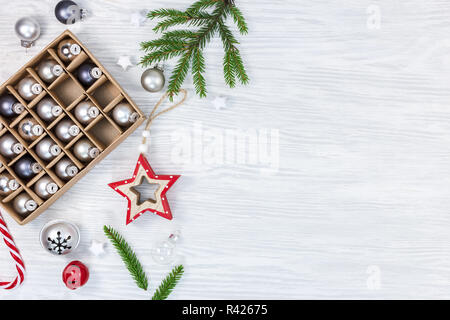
(219, 102)
(97, 248)
(125, 62)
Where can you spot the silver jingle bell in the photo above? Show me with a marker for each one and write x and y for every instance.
(29, 88)
(48, 70)
(65, 169)
(124, 114)
(85, 112)
(85, 151)
(7, 184)
(48, 110)
(23, 204)
(9, 146)
(66, 130)
(45, 187)
(153, 80)
(28, 30)
(47, 149)
(59, 237)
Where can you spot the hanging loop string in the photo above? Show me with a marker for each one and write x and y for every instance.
(154, 115)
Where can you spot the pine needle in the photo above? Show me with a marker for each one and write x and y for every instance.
(128, 256)
(168, 284)
(210, 17)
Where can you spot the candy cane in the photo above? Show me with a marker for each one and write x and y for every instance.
(15, 254)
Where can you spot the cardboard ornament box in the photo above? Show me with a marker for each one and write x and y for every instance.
(103, 132)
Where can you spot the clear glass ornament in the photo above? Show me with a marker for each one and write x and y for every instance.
(164, 252)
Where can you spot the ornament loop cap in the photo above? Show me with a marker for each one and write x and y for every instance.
(93, 112)
(75, 49)
(30, 205)
(18, 108)
(36, 167)
(17, 148)
(51, 188)
(71, 171)
(74, 130)
(94, 152)
(13, 184)
(55, 150)
(96, 73)
(57, 70)
(56, 111)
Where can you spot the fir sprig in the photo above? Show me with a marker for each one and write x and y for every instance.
(210, 17)
(128, 256)
(168, 284)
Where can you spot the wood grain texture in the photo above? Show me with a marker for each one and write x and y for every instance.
(364, 159)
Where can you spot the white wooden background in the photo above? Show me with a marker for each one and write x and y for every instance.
(360, 205)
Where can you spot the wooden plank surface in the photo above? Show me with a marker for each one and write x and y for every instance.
(356, 204)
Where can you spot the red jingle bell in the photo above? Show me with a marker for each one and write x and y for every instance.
(75, 275)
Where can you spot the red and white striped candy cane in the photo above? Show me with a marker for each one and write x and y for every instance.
(15, 254)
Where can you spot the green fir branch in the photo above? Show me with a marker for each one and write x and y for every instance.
(179, 73)
(201, 5)
(179, 35)
(169, 22)
(128, 256)
(166, 43)
(188, 45)
(229, 70)
(239, 68)
(198, 68)
(239, 19)
(168, 284)
(161, 55)
(166, 13)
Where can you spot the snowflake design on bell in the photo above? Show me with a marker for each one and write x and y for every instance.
(60, 237)
(59, 244)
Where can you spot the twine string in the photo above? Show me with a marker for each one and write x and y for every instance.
(154, 115)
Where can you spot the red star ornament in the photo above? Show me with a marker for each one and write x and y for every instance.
(136, 208)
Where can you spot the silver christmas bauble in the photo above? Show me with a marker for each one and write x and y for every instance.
(66, 130)
(28, 30)
(65, 169)
(29, 129)
(9, 146)
(45, 187)
(85, 151)
(69, 12)
(153, 80)
(47, 149)
(59, 237)
(48, 70)
(88, 73)
(29, 88)
(48, 110)
(9, 106)
(7, 184)
(26, 167)
(68, 50)
(85, 112)
(124, 114)
(23, 204)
